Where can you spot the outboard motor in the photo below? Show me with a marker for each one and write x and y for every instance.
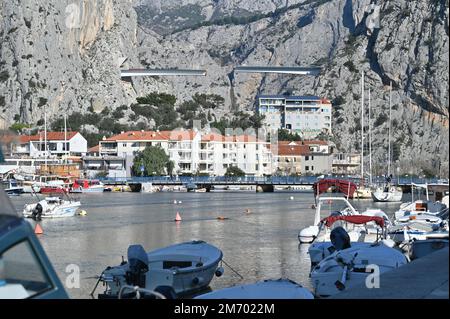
(340, 238)
(138, 266)
(37, 212)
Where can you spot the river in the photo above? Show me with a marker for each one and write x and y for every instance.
(259, 245)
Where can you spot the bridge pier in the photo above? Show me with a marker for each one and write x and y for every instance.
(266, 188)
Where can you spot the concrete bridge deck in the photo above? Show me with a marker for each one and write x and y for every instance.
(265, 183)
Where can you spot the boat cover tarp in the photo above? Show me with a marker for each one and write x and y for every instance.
(346, 187)
(354, 219)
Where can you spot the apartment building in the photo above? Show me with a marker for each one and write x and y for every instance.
(218, 153)
(306, 115)
(193, 151)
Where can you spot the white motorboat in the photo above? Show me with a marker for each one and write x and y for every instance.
(422, 206)
(309, 234)
(87, 186)
(349, 267)
(421, 248)
(360, 229)
(405, 233)
(51, 207)
(267, 289)
(387, 194)
(11, 187)
(185, 268)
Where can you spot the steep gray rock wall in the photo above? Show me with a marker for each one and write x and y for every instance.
(64, 55)
(44, 62)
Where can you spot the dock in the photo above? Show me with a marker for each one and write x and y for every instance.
(424, 278)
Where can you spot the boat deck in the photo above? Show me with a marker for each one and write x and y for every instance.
(412, 281)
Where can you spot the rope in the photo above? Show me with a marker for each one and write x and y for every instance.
(232, 269)
(138, 291)
(95, 287)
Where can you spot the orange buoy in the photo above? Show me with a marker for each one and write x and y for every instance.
(221, 218)
(38, 229)
(178, 217)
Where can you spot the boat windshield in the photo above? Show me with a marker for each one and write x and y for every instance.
(333, 206)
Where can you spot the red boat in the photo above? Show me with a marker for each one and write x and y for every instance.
(54, 189)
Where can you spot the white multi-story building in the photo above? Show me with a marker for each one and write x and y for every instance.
(218, 153)
(195, 152)
(307, 115)
(59, 144)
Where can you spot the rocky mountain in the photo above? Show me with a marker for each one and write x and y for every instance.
(66, 57)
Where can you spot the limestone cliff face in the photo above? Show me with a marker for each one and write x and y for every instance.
(53, 55)
(64, 55)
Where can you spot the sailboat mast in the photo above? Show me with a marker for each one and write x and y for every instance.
(45, 136)
(389, 136)
(362, 128)
(65, 138)
(370, 144)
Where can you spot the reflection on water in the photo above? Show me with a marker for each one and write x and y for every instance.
(259, 245)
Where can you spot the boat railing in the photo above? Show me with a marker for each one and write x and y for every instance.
(138, 290)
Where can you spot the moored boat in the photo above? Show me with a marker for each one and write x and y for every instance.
(360, 229)
(11, 187)
(421, 248)
(51, 207)
(363, 192)
(267, 289)
(387, 194)
(87, 186)
(351, 266)
(25, 270)
(185, 268)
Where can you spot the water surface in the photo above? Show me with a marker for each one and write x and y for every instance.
(259, 245)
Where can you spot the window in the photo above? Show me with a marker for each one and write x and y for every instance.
(306, 168)
(135, 144)
(124, 144)
(312, 168)
(307, 158)
(312, 158)
(21, 274)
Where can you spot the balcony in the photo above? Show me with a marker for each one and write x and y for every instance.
(108, 151)
(206, 158)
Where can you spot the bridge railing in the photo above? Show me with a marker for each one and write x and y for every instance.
(275, 180)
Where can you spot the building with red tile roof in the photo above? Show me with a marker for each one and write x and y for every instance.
(195, 151)
(34, 145)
